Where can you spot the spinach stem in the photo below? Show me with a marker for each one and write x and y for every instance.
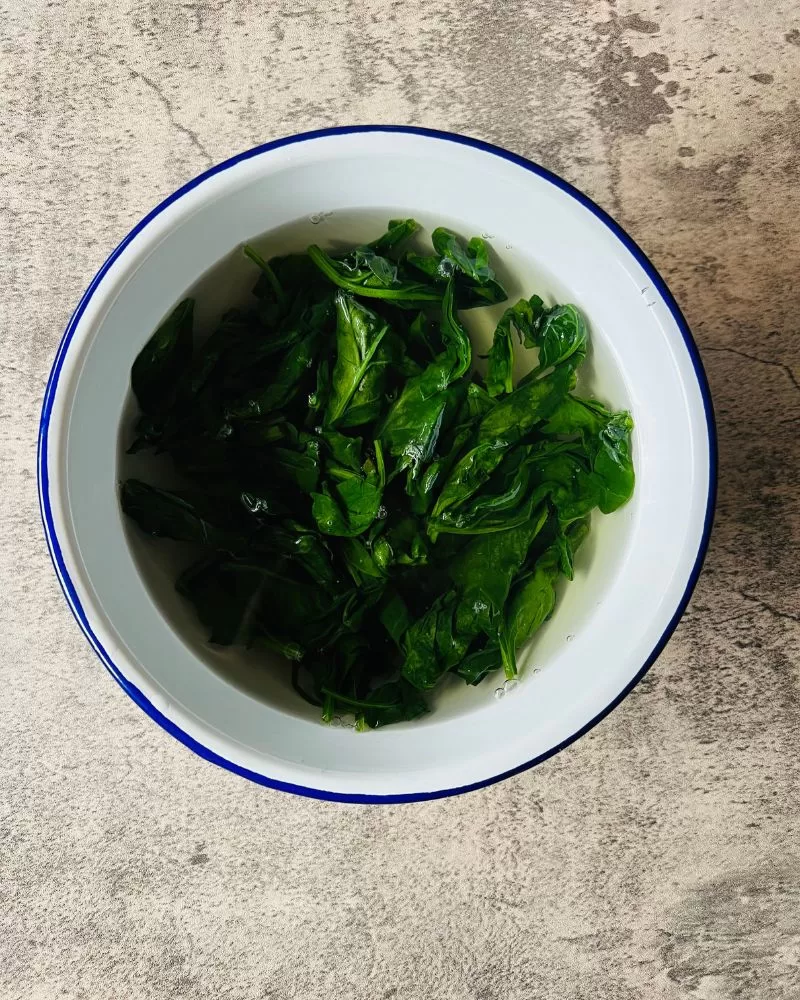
(354, 701)
(265, 267)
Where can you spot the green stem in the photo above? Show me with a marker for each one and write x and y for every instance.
(379, 463)
(414, 294)
(270, 274)
(354, 701)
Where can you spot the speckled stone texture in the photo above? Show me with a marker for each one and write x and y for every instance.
(657, 858)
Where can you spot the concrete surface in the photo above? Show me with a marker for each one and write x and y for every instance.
(657, 858)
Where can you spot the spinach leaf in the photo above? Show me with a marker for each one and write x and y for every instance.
(360, 563)
(300, 467)
(613, 466)
(235, 328)
(469, 291)
(500, 359)
(394, 701)
(347, 509)
(561, 335)
(455, 336)
(161, 362)
(362, 280)
(478, 402)
(403, 544)
(359, 333)
(344, 450)
(286, 384)
(517, 414)
(534, 598)
(383, 270)
(524, 318)
(431, 646)
(165, 514)
(501, 427)
(422, 338)
(509, 506)
(607, 446)
(290, 540)
(483, 573)
(397, 232)
(394, 615)
(226, 597)
(529, 314)
(412, 426)
(469, 474)
(477, 664)
(472, 259)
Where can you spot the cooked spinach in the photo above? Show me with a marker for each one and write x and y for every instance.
(360, 500)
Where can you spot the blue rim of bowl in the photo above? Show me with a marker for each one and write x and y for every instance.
(69, 589)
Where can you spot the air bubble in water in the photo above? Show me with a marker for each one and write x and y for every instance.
(315, 220)
(487, 236)
(509, 246)
(511, 684)
(382, 513)
(570, 638)
(499, 693)
(337, 722)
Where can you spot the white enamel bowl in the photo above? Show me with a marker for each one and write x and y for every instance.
(633, 578)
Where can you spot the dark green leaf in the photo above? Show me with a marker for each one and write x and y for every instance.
(171, 515)
(360, 563)
(534, 598)
(394, 615)
(518, 413)
(472, 259)
(469, 293)
(483, 573)
(613, 466)
(500, 360)
(415, 420)
(163, 359)
(476, 665)
(455, 336)
(431, 647)
(561, 336)
(344, 450)
(397, 232)
(348, 509)
(299, 467)
(358, 335)
(399, 701)
(226, 597)
(363, 281)
(285, 385)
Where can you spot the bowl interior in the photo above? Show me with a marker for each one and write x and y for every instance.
(630, 577)
(229, 283)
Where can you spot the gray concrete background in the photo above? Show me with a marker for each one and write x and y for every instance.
(658, 857)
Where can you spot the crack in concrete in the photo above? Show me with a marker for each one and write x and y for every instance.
(167, 105)
(768, 607)
(761, 361)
